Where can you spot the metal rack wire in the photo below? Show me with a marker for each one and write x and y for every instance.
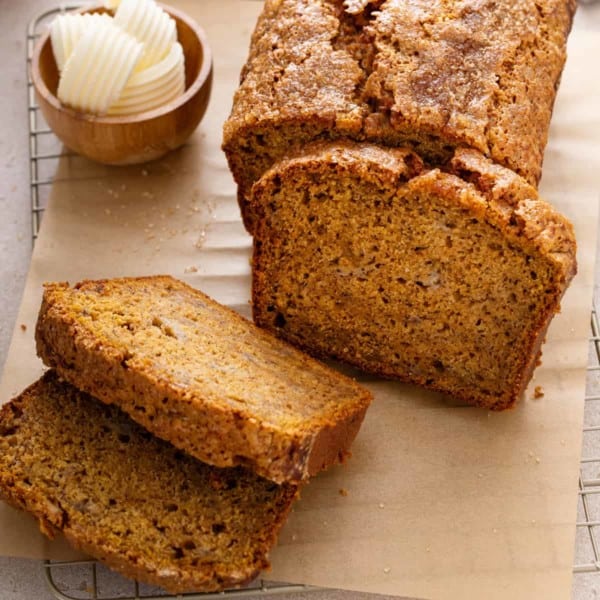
(44, 149)
(44, 153)
(588, 524)
(122, 589)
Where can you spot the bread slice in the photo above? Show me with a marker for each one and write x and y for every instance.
(133, 501)
(433, 76)
(443, 278)
(199, 375)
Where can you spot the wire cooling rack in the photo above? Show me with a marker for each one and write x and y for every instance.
(588, 524)
(88, 580)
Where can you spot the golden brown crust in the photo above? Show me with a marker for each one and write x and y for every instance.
(433, 76)
(131, 500)
(516, 207)
(199, 375)
(471, 288)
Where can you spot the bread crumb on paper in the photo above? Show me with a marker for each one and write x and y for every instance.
(538, 392)
(343, 492)
(23, 327)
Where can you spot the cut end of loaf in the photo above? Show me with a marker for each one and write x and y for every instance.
(447, 278)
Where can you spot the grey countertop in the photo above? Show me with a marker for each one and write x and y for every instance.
(23, 579)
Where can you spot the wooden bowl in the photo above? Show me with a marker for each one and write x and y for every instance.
(137, 138)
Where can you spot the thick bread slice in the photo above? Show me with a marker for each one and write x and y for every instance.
(433, 76)
(447, 279)
(199, 375)
(130, 500)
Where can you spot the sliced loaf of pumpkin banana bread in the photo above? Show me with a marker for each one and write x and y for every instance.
(199, 375)
(132, 501)
(446, 278)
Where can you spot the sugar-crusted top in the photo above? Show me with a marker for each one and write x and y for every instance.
(437, 73)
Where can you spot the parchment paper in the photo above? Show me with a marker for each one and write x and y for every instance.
(438, 501)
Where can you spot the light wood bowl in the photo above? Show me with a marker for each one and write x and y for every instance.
(129, 139)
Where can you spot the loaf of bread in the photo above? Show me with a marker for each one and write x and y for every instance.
(433, 76)
(199, 375)
(133, 501)
(446, 278)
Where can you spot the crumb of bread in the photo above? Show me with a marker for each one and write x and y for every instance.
(538, 392)
(23, 327)
(343, 492)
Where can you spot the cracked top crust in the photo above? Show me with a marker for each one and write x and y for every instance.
(432, 74)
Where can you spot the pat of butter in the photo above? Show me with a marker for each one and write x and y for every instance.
(154, 86)
(67, 29)
(126, 64)
(149, 24)
(98, 69)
